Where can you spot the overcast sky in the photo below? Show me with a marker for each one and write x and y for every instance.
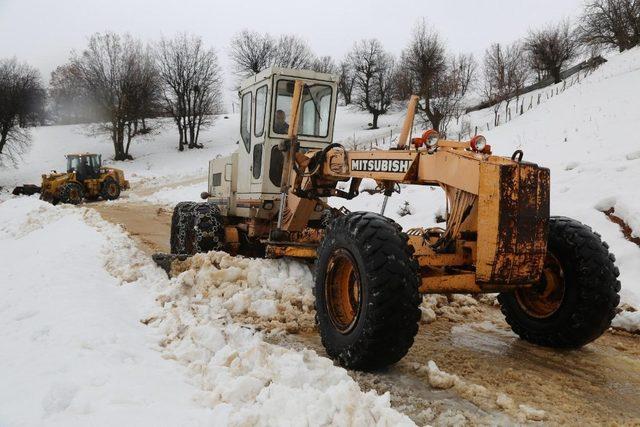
(43, 32)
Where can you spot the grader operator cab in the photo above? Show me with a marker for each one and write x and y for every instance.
(556, 279)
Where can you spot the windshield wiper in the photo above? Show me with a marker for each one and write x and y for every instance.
(315, 104)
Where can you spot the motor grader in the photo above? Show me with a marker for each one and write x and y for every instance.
(85, 178)
(555, 278)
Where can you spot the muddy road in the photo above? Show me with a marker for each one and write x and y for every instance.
(500, 378)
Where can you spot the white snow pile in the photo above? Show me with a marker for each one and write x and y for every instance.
(75, 290)
(173, 196)
(269, 294)
(627, 320)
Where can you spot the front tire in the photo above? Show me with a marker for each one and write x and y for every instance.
(366, 291)
(71, 193)
(576, 298)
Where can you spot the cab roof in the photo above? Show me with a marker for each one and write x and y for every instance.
(288, 72)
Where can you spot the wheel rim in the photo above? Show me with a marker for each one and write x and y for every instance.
(343, 291)
(544, 298)
(111, 189)
(74, 194)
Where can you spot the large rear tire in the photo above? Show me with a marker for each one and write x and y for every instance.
(110, 189)
(181, 240)
(208, 227)
(576, 298)
(71, 193)
(196, 228)
(366, 291)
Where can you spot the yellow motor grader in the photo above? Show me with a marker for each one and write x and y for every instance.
(85, 178)
(556, 279)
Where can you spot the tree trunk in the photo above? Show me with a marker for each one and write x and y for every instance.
(375, 121)
(347, 97)
(556, 75)
(192, 135)
(3, 139)
(119, 142)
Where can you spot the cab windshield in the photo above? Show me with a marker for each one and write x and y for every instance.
(88, 163)
(314, 113)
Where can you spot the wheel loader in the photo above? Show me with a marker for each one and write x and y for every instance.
(85, 178)
(555, 278)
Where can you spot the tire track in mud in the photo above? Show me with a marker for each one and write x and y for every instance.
(595, 385)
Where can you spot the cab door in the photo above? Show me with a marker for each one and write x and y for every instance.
(244, 150)
(260, 122)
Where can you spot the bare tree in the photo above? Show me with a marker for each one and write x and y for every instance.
(324, 64)
(117, 72)
(611, 23)
(440, 81)
(251, 52)
(69, 101)
(505, 74)
(292, 52)
(552, 47)
(192, 85)
(403, 84)
(22, 100)
(347, 80)
(373, 78)
(450, 89)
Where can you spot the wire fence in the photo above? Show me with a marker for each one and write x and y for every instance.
(518, 106)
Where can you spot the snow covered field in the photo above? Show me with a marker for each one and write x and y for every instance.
(99, 336)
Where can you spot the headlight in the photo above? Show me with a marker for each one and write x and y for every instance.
(431, 138)
(478, 143)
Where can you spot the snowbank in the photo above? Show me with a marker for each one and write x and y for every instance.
(96, 330)
(74, 351)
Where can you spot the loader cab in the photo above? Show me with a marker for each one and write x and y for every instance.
(247, 183)
(84, 165)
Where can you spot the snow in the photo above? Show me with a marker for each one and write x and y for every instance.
(99, 335)
(171, 196)
(75, 351)
(627, 320)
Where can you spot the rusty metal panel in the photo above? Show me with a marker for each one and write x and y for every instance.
(520, 236)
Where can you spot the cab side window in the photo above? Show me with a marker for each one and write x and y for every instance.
(261, 110)
(245, 121)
